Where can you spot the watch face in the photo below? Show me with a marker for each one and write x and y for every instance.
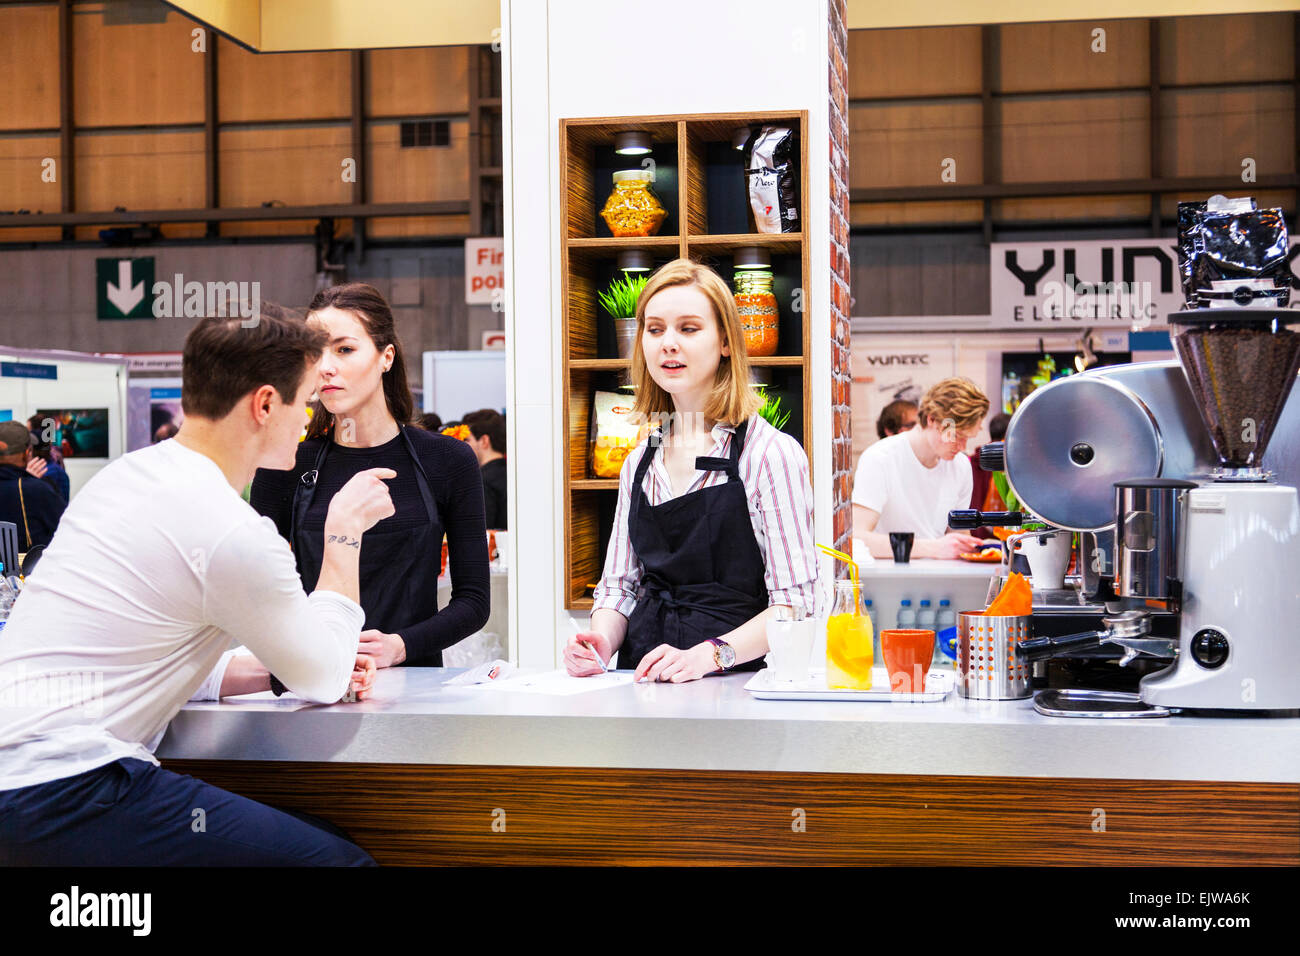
(726, 655)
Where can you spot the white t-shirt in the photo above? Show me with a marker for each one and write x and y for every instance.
(908, 496)
(156, 566)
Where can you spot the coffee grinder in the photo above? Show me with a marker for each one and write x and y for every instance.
(1237, 531)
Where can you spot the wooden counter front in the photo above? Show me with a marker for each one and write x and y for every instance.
(406, 814)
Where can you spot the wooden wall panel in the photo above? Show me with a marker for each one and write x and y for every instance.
(425, 81)
(1231, 49)
(914, 62)
(867, 214)
(41, 234)
(1059, 139)
(415, 226)
(1210, 132)
(296, 166)
(419, 174)
(256, 87)
(1059, 56)
(1073, 207)
(906, 144)
(29, 79)
(918, 274)
(137, 73)
(145, 170)
(21, 186)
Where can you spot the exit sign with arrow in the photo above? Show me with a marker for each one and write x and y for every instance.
(124, 288)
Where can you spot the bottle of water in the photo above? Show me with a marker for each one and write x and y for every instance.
(875, 631)
(925, 616)
(945, 634)
(946, 617)
(906, 616)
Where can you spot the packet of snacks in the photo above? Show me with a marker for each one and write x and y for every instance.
(772, 173)
(616, 434)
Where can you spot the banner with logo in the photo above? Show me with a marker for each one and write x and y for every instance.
(1048, 286)
(882, 375)
(1093, 283)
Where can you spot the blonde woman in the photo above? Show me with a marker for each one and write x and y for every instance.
(910, 481)
(713, 525)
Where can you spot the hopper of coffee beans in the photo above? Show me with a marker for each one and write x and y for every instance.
(1241, 364)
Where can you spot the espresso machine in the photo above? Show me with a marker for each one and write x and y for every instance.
(1180, 479)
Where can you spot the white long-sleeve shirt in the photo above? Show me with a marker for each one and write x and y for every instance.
(156, 566)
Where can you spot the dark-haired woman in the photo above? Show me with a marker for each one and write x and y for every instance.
(361, 421)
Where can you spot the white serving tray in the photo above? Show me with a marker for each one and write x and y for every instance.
(938, 685)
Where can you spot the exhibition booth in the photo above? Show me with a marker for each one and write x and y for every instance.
(1107, 677)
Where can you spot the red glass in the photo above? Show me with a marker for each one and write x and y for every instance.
(907, 654)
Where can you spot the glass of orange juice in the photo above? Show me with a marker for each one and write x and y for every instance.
(848, 640)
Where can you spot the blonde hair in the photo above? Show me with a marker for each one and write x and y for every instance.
(956, 400)
(732, 400)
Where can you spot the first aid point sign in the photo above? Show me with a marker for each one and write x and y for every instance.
(485, 270)
(124, 288)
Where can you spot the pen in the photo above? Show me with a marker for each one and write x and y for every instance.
(588, 646)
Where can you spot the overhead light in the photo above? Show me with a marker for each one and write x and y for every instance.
(752, 257)
(740, 137)
(635, 260)
(760, 377)
(634, 142)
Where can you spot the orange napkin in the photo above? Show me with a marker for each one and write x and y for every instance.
(1015, 598)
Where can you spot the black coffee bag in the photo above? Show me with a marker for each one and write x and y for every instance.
(1231, 253)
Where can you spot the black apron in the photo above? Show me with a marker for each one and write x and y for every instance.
(703, 570)
(397, 589)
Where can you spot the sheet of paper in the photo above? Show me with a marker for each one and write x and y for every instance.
(558, 683)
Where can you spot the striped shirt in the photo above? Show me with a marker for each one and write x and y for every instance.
(774, 469)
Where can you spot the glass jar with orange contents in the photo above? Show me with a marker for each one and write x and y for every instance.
(759, 319)
(848, 640)
(633, 209)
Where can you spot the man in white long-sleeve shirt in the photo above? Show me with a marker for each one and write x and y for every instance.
(157, 565)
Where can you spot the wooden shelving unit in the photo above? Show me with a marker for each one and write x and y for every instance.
(699, 179)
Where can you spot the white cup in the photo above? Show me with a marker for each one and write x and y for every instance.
(1048, 554)
(789, 645)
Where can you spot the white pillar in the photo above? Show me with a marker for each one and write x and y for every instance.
(590, 58)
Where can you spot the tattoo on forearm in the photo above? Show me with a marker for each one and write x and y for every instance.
(343, 539)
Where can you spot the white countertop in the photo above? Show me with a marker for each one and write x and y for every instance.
(927, 568)
(714, 724)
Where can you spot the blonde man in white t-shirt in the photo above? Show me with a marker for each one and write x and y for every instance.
(910, 481)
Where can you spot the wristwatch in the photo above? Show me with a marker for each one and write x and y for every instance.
(724, 655)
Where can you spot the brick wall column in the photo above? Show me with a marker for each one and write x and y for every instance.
(841, 374)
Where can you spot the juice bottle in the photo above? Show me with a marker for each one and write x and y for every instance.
(848, 641)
